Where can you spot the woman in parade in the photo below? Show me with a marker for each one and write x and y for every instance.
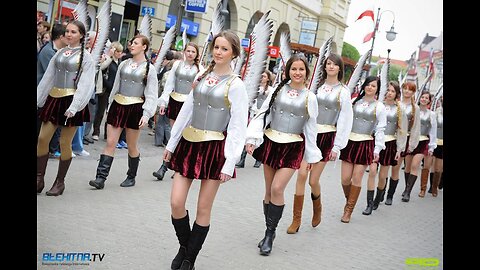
(369, 117)
(204, 144)
(133, 101)
(177, 87)
(334, 124)
(281, 135)
(63, 94)
(438, 152)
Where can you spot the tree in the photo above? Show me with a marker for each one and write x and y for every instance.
(349, 51)
(393, 72)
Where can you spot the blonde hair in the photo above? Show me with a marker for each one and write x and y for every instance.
(117, 46)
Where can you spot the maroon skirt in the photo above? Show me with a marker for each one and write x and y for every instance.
(422, 148)
(387, 155)
(325, 143)
(438, 152)
(358, 152)
(199, 160)
(55, 108)
(173, 108)
(280, 155)
(125, 116)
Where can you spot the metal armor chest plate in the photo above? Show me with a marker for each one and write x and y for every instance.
(392, 119)
(328, 98)
(260, 99)
(440, 124)
(364, 117)
(66, 65)
(184, 76)
(289, 111)
(425, 123)
(131, 79)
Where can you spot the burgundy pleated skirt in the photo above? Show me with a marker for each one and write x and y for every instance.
(358, 152)
(199, 160)
(325, 143)
(280, 155)
(422, 148)
(125, 116)
(438, 152)
(387, 155)
(173, 108)
(55, 108)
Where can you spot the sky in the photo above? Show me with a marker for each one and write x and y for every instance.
(413, 20)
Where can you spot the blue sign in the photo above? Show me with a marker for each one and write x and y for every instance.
(192, 27)
(245, 42)
(198, 6)
(148, 10)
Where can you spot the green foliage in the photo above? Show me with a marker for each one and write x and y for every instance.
(393, 72)
(350, 51)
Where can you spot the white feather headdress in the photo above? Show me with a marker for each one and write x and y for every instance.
(323, 53)
(218, 21)
(165, 47)
(357, 72)
(103, 29)
(239, 62)
(384, 79)
(80, 13)
(146, 30)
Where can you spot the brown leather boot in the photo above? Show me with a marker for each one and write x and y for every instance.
(423, 182)
(41, 168)
(346, 191)
(317, 210)
(436, 181)
(352, 200)
(59, 184)
(297, 214)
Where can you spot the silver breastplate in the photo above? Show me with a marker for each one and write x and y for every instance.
(260, 99)
(409, 113)
(66, 65)
(210, 104)
(440, 125)
(328, 99)
(364, 117)
(392, 119)
(289, 114)
(184, 76)
(425, 123)
(131, 79)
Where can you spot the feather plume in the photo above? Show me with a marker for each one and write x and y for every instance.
(437, 97)
(258, 53)
(423, 87)
(218, 21)
(384, 80)
(80, 13)
(285, 50)
(319, 66)
(239, 63)
(357, 72)
(103, 29)
(146, 27)
(184, 38)
(166, 44)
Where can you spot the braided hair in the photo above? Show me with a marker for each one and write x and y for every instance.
(293, 58)
(83, 32)
(145, 41)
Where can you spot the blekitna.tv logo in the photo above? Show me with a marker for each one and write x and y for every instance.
(71, 258)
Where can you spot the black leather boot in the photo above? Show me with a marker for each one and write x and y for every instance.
(382, 198)
(369, 208)
(241, 163)
(59, 184)
(41, 168)
(274, 216)
(265, 213)
(378, 198)
(257, 164)
(182, 229)
(132, 172)
(103, 169)
(195, 242)
(160, 173)
(411, 182)
(392, 186)
(406, 182)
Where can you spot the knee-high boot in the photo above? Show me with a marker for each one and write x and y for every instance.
(274, 216)
(160, 173)
(41, 168)
(317, 210)
(423, 182)
(369, 208)
(241, 163)
(411, 182)
(436, 182)
(132, 171)
(195, 242)
(391, 190)
(59, 184)
(378, 198)
(103, 169)
(182, 229)
(431, 182)
(352, 200)
(406, 183)
(265, 213)
(297, 214)
(440, 185)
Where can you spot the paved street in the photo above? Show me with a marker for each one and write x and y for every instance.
(132, 226)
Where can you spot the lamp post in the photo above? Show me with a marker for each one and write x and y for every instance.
(391, 35)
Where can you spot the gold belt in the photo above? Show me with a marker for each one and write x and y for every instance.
(439, 141)
(390, 138)
(61, 92)
(178, 97)
(359, 137)
(423, 138)
(282, 137)
(192, 134)
(325, 128)
(125, 100)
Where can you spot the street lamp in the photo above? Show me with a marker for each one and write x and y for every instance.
(391, 35)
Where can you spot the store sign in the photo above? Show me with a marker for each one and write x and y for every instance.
(192, 27)
(197, 6)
